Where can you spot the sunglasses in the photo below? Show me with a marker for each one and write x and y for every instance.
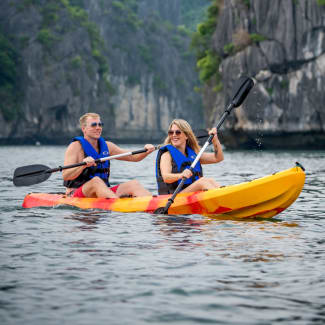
(177, 132)
(95, 124)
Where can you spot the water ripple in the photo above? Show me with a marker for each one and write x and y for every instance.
(65, 265)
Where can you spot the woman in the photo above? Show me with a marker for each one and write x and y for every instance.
(174, 159)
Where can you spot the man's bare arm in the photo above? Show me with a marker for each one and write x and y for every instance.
(73, 155)
(116, 150)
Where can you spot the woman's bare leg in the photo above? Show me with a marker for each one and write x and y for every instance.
(201, 184)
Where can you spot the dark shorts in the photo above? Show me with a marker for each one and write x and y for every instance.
(78, 192)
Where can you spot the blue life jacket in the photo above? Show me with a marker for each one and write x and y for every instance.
(102, 169)
(179, 164)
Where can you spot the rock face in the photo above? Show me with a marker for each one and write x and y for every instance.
(63, 69)
(151, 69)
(281, 44)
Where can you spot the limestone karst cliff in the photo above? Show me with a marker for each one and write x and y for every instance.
(130, 61)
(126, 60)
(281, 44)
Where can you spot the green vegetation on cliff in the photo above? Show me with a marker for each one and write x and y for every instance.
(208, 60)
(125, 13)
(9, 81)
(242, 39)
(193, 12)
(53, 28)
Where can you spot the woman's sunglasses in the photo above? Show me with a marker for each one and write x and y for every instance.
(177, 132)
(94, 124)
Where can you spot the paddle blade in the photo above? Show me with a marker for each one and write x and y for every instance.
(29, 175)
(162, 210)
(201, 135)
(246, 84)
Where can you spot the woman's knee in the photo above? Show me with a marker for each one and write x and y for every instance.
(204, 180)
(208, 183)
(133, 184)
(212, 183)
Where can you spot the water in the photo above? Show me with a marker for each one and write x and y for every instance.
(68, 266)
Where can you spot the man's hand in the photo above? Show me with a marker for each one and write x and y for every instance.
(90, 161)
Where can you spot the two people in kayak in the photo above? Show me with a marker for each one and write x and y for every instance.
(173, 159)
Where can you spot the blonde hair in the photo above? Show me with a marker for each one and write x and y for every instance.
(185, 128)
(83, 118)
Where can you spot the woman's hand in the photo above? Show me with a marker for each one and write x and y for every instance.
(215, 133)
(186, 173)
(217, 156)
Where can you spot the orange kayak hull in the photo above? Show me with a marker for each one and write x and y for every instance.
(263, 198)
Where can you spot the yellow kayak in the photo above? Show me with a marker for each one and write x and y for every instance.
(263, 198)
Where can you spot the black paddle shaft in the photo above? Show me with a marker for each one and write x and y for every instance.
(35, 174)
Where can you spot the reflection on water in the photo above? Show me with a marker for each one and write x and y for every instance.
(174, 223)
(65, 265)
(88, 218)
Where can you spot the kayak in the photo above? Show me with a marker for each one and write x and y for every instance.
(259, 198)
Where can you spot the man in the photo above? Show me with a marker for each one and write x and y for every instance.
(92, 180)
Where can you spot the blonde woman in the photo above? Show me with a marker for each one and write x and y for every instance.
(176, 156)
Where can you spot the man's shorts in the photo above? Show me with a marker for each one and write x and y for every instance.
(78, 192)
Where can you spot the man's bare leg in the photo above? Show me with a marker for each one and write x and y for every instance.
(133, 188)
(96, 187)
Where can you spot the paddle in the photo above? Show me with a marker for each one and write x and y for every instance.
(35, 174)
(241, 94)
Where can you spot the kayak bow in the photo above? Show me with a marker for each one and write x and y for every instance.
(263, 198)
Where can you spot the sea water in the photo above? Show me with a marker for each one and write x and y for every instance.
(68, 266)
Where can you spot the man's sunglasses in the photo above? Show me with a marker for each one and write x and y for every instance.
(177, 132)
(95, 124)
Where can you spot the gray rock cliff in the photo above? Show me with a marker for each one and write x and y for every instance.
(281, 44)
(125, 60)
